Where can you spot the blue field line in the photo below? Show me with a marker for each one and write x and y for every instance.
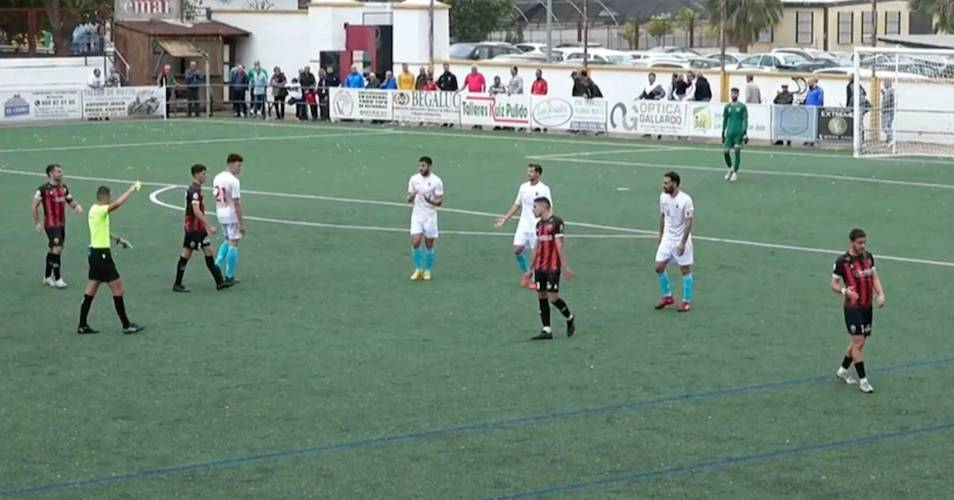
(446, 431)
(725, 462)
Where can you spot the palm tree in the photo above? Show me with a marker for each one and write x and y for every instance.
(942, 11)
(687, 19)
(745, 19)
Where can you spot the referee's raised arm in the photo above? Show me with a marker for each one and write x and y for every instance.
(118, 202)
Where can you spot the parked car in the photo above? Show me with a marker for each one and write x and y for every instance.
(525, 57)
(771, 62)
(675, 50)
(731, 58)
(571, 45)
(808, 53)
(482, 50)
(596, 55)
(530, 47)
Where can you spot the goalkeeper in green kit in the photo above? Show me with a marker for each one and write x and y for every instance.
(735, 124)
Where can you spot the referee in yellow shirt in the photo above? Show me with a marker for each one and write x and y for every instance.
(102, 269)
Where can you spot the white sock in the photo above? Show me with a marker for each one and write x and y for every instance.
(548, 329)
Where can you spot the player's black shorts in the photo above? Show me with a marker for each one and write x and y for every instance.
(101, 266)
(56, 236)
(547, 281)
(196, 239)
(858, 320)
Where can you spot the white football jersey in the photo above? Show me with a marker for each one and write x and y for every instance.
(525, 196)
(225, 188)
(425, 188)
(676, 210)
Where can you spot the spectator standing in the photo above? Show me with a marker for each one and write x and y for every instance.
(168, 81)
(815, 95)
(539, 86)
(590, 89)
(331, 78)
(114, 79)
(310, 91)
(850, 100)
(390, 83)
(279, 86)
(753, 94)
(354, 80)
(497, 87)
(421, 79)
(887, 111)
(193, 79)
(238, 81)
(701, 89)
(516, 82)
(406, 78)
(295, 98)
(258, 84)
(373, 82)
(447, 81)
(784, 98)
(474, 82)
(578, 89)
(654, 90)
(680, 87)
(96, 81)
(431, 85)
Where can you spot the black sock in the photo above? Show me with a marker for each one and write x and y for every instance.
(845, 363)
(56, 266)
(728, 159)
(84, 309)
(214, 269)
(545, 312)
(180, 269)
(121, 310)
(860, 367)
(564, 310)
(49, 265)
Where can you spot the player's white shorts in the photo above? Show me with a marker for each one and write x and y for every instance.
(231, 232)
(525, 237)
(667, 252)
(424, 225)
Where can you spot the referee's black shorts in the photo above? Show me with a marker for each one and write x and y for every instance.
(101, 266)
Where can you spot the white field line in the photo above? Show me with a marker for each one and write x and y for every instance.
(749, 171)
(596, 153)
(625, 230)
(154, 197)
(614, 141)
(223, 140)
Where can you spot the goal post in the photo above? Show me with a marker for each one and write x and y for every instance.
(903, 102)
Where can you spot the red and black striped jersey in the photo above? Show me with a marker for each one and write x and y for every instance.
(857, 272)
(54, 198)
(194, 201)
(547, 257)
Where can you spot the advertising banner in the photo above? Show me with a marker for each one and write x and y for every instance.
(124, 102)
(577, 114)
(705, 120)
(650, 117)
(426, 107)
(794, 123)
(836, 124)
(355, 104)
(495, 111)
(23, 105)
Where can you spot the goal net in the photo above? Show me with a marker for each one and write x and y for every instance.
(906, 104)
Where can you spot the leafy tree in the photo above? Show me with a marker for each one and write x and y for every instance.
(629, 31)
(659, 26)
(745, 19)
(63, 16)
(473, 20)
(942, 11)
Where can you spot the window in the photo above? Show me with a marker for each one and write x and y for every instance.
(804, 27)
(767, 35)
(892, 23)
(751, 61)
(866, 28)
(846, 28)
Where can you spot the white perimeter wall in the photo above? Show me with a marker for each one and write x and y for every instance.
(47, 71)
(277, 39)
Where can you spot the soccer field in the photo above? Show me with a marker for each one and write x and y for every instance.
(328, 374)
